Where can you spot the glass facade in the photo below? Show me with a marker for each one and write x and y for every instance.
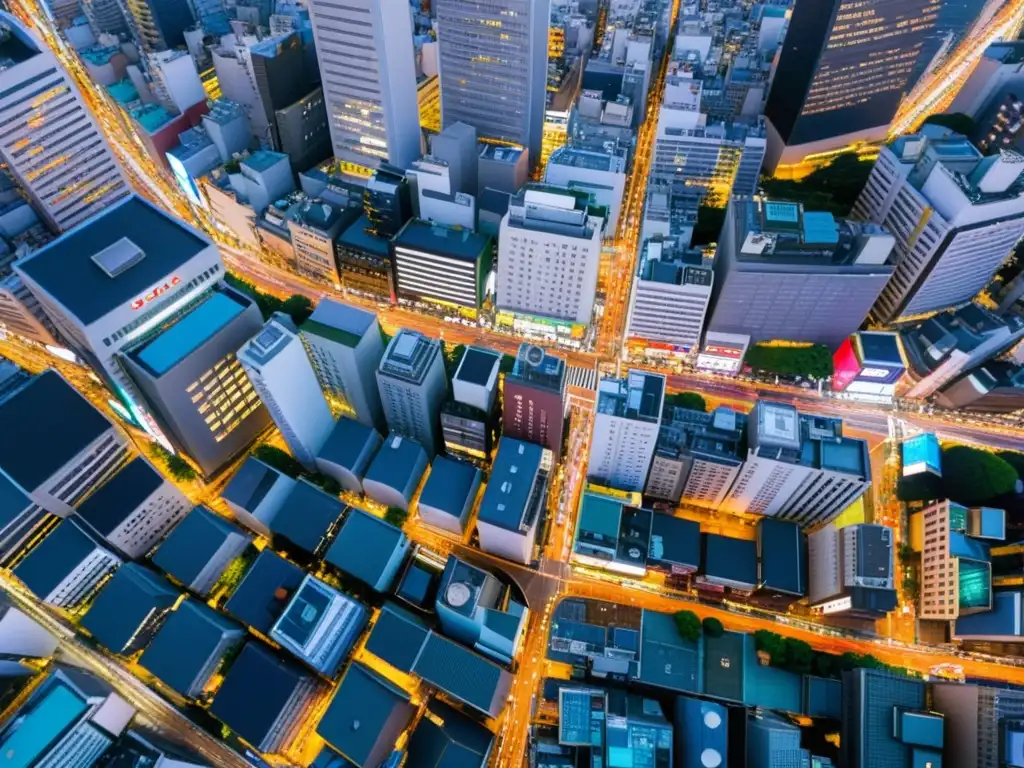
(856, 81)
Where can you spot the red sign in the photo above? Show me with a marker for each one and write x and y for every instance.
(847, 366)
(714, 349)
(682, 570)
(160, 290)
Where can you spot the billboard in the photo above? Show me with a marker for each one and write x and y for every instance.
(854, 375)
(846, 365)
(922, 454)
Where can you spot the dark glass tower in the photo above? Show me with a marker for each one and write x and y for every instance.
(844, 68)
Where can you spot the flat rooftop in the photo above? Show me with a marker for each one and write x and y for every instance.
(409, 355)
(507, 501)
(146, 247)
(306, 516)
(477, 365)
(358, 238)
(263, 594)
(189, 333)
(449, 485)
(108, 507)
(339, 322)
(639, 396)
(461, 243)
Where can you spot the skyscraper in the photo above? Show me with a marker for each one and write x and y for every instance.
(412, 385)
(365, 50)
(492, 63)
(626, 427)
(534, 397)
(843, 70)
(276, 362)
(159, 24)
(50, 144)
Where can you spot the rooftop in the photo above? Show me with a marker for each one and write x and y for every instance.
(151, 117)
(123, 92)
(1005, 620)
(397, 637)
(181, 651)
(190, 332)
(455, 242)
(274, 337)
(501, 154)
(250, 484)
(56, 556)
(260, 598)
(192, 543)
(449, 485)
(675, 541)
(782, 548)
(263, 160)
(306, 516)
(351, 444)
(463, 674)
(47, 718)
(152, 244)
(13, 501)
(639, 396)
(668, 660)
(18, 46)
(53, 424)
(582, 158)
(398, 464)
(409, 356)
(449, 739)
(730, 559)
(534, 366)
(364, 546)
(508, 501)
(125, 604)
(358, 237)
(339, 322)
(477, 366)
(878, 347)
(258, 688)
(360, 711)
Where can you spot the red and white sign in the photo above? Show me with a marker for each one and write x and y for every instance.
(160, 290)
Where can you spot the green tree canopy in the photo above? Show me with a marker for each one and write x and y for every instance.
(973, 476)
(688, 625)
(955, 121)
(690, 400)
(266, 303)
(833, 188)
(712, 627)
(814, 361)
(280, 460)
(299, 307)
(1014, 459)
(396, 516)
(180, 469)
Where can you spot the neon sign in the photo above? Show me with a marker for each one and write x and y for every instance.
(160, 290)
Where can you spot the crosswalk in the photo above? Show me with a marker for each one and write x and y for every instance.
(581, 377)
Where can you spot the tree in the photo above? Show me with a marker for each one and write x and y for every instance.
(299, 307)
(689, 400)
(799, 656)
(911, 588)
(396, 516)
(710, 221)
(923, 486)
(452, 357)
(814, 361)
(824, 664)
(327, 484)
(688, 625)
(833, 188)
(973, 476)
(180, 469)
(266, 303)
(955, 121)
(508, 362)
(1014, 459)
(907, 554)
(280, 460)
(712, 627)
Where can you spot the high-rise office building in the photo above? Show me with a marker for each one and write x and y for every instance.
(51, 144)
(955, 215)
(413, 384)
(387, 201)
(111, 282)
(194, 385)
(159, 25)
(345, 346)
(626, 423)
(549, 250)
(73, 717)
(493, 63)
(980, 725)
(105, 16)
(369, 79)
(843, 70)
(534, 399)
(669, 299)
(279, 68)
(773, 742)
(278, 367)
(785, 273)
(851, 570)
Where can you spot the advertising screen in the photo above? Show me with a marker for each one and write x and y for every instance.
(921, 454)
(847, 366)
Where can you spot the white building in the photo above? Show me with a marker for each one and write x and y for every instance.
(851, 570)
(23, 637)
(413, 384)
(626, 424)
(600, 174)
(955, 216)
(280, 371)
(134, 509)
(510, 510)
(320, 625)
(115, 279)
(369, 78)
(669, 300)
(436, 197)
(345, 346)
(1000, 68)
(51, 145)
(549, 251)
(176, 82)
